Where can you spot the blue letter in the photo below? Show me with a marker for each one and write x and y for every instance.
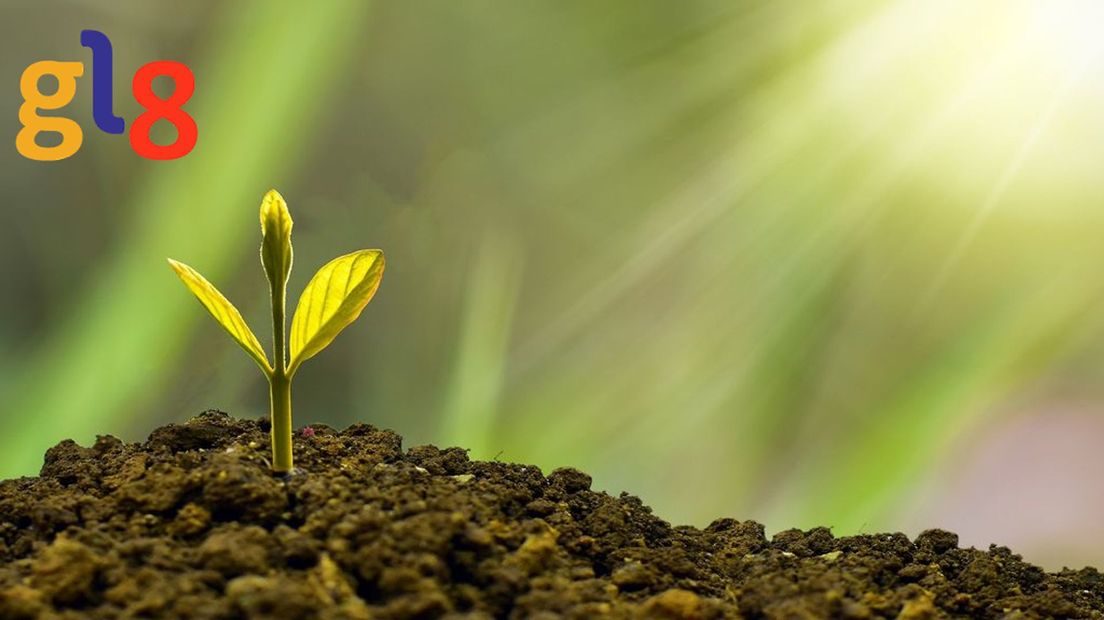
(102, 91)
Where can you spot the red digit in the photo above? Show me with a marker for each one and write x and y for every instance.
(168, 109)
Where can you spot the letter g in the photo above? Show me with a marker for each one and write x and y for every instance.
(34, 100)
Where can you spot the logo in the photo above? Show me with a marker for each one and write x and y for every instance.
(72, 136)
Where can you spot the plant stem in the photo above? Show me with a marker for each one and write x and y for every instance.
(279, 383)
(280, 393)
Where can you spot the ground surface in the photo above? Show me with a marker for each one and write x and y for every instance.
(191, 524)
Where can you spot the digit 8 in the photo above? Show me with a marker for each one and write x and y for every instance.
(167, 109)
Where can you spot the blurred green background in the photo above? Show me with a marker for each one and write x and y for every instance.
(834, 263)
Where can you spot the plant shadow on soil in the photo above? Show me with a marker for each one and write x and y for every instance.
(192, 524)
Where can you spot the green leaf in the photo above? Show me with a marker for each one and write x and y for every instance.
(223, 311)
(276, 254)
(332, 300)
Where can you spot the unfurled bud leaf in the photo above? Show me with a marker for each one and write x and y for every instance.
(333, 299)
(223, 311)
(276, 254)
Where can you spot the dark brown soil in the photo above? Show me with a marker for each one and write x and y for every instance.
(191, 524)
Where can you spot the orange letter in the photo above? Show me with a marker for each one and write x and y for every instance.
(33, 101)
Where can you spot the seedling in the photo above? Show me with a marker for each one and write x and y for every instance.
(332, 300)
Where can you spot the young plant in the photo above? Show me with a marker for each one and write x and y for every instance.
(332, 300)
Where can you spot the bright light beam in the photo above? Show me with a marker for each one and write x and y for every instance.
(1000, 187)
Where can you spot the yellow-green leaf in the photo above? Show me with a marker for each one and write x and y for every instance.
(276, 254)
(223, 311)
(333, 299)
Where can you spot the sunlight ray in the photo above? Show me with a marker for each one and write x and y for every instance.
(1000, 186)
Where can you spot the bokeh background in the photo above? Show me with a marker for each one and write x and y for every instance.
(836, 263)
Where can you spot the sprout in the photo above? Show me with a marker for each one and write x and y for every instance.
(332, 300)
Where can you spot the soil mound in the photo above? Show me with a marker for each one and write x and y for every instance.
(191, 524)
